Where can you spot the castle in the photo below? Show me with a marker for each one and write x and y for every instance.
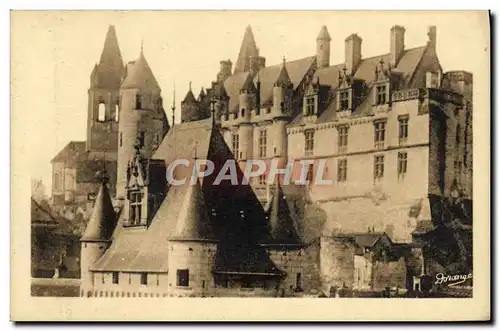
(394, 132)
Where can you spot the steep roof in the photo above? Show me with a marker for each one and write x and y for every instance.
(233, 84)
(407, 66)
(235, 215)
(140, 75)
(323, 34)
(108, 73)
(189, 98)
(70, 153)
(281, 224)
(283, 78)
(103, 219)
(296, 70)
(248, 49)
(193, 221)
(368, 240)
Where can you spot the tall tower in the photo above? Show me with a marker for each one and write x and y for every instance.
(142, 122)
(97, 237)
(248, 50)
(193, 248)
(103, 99)
(323, 48)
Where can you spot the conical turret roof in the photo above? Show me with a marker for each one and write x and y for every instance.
(108, 73)
(323, 34)
(189, 98)
(283, 78)
(193, 223)
(281, 224)
(140, 75)
(248, 49)
(102, 222)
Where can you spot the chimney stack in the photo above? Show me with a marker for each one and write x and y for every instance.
(432, 36)
(397, 44)
(352, 53)
(225, 70)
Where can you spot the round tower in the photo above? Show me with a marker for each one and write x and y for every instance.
(281, 90)
(142, 119)
(97, 236)
(323, 48)
(193, 248)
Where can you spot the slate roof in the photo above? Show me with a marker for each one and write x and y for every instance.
(108, 73)
(140, 75)
(71, 153)
(235, 215)
(248, 49)
(407, 65)
(102, 222)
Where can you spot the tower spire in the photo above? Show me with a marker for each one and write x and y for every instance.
(248, 49)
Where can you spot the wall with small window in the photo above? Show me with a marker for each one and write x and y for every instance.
(190, 266)
(131, 282)
(301, 265)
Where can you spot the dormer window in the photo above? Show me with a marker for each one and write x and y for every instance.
(309, 106)
(344, 100)
(135, 211)
(381, 97)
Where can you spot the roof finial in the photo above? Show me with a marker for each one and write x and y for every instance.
(212, 102)
(284, 60)
(190, 85)
(142, 46)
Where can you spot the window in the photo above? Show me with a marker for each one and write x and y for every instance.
(344, 100)
(144, 278)
(403, 129)
(378, 167)
(431, 80)
(262, 179)
(117, 111)
(140, 139)
(310, 169)
(310, 106)
(102, 278)
(457, 136)
(135, 208)
(116, 277)
(157, 280)
(402, 163)
(236, 145)
(243, 113)
(379, 134)
(268, 110)
(342, 170)
(342, 144)
(309, 145)
(57, 181)
(298, 281)
(262, 143)
(381, 97)
(121, 139)
(101, 114)
(183, 277)
(138, 101)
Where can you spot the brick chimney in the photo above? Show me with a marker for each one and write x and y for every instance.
(397, 44)
(225, 70)
(256, 63)
(352, 53)
(431, 33)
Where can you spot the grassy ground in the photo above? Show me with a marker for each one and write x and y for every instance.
(49, 287)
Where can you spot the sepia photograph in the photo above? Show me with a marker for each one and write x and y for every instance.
(218, 154)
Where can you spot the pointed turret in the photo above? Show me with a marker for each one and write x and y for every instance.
(110, 67)
(281, 225)
(283, 79)
(202, 95)
(248, 49)
(102, 222)
(189, 98)
(193, 221)
(323, 34)
(140, 75)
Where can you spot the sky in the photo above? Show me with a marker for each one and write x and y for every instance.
(53, 53)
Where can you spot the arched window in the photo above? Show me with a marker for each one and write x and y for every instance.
(101, 115)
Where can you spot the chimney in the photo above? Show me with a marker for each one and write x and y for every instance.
(397, 43)
(432, 36)
(225, 70)
(352, 53)
(256, 63)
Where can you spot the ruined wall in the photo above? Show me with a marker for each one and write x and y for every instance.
(336, 262)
